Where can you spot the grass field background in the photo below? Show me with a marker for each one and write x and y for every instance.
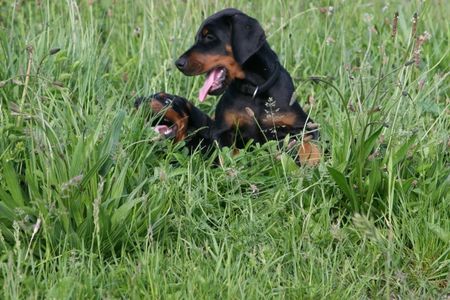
(93, 204)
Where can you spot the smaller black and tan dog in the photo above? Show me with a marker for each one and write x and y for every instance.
(258, 102)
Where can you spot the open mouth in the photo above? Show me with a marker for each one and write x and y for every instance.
(167, 131)
(214, 83)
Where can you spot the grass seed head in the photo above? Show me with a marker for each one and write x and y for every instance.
(394, 26)
(415, 19)
(250, 112)
(37, 226)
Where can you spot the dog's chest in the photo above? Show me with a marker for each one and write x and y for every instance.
(250, 116)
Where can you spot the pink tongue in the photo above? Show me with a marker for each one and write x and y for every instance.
(162, 129)
(208, 84)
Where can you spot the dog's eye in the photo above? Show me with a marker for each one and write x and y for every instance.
(209, 37)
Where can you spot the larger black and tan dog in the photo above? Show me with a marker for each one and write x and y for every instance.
(258, 101)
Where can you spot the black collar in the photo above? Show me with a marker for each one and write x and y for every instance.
(249, 88)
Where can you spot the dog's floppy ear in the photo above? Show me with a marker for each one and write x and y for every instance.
(247, 37)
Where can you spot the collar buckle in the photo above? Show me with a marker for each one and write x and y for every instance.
(255, 92)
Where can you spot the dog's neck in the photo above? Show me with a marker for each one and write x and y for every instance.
(260, 66)
(262, 71)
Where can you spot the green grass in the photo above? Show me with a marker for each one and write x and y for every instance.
(123, 214)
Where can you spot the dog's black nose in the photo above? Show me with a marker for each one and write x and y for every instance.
(181, 63)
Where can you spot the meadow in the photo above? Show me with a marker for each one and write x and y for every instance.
(94, 204)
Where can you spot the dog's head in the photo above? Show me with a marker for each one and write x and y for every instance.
(169, 114)
(223, 43)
